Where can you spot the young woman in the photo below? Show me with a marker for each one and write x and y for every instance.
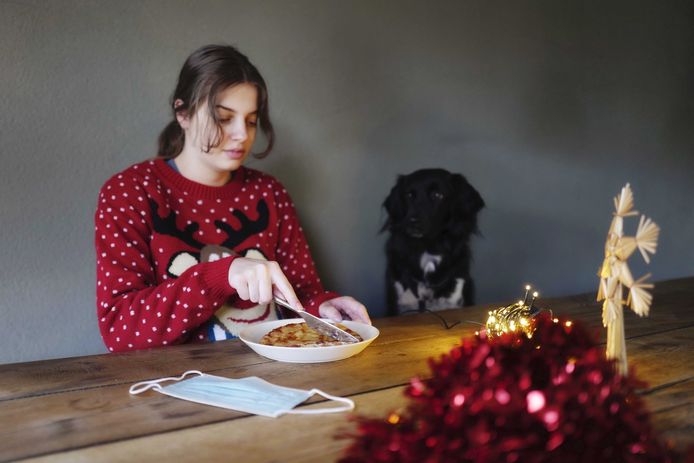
(192, 246)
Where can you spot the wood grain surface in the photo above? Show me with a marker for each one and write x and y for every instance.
(79, 409)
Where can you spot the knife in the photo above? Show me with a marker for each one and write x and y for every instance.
(318, 324)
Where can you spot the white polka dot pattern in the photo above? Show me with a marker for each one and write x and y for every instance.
(140, 302)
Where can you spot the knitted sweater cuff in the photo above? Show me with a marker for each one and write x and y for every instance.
(216, 277)
(315, 302)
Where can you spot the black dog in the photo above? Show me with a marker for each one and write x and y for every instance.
(431, 215)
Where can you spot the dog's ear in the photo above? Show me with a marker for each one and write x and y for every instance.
(465, 205)
(394, 204)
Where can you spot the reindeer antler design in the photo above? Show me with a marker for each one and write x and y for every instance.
(182, 260)
(167, 226)
(248, 227)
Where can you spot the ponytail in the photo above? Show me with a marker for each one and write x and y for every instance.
(171, 141)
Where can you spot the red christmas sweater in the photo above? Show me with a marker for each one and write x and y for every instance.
(164, 245)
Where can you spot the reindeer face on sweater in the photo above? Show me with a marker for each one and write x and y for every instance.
(234, 315)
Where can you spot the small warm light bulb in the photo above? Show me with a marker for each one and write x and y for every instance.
(525, 298)
(568, 323)
(535, 294)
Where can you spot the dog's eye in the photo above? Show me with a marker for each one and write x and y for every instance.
(411, 194)
(436, 195)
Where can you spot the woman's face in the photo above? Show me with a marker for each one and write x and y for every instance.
(237, 110)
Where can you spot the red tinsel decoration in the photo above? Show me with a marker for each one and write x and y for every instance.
(551, 398)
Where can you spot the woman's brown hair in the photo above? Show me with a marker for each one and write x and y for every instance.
(207, 72)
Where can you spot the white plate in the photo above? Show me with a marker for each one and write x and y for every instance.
(252, 335)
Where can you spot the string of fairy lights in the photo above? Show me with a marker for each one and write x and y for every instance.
(516, 317)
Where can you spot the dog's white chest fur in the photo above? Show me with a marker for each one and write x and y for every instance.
(428, 262)
(407, 300)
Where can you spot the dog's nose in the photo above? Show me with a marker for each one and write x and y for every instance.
(414, 228)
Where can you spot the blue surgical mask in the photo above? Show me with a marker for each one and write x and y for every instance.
(250, 395)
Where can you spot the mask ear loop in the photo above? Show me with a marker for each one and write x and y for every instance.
(143, 386)
(349, 405)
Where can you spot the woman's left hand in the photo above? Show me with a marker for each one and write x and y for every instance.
(344, 308)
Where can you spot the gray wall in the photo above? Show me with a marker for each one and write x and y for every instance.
(547, 107)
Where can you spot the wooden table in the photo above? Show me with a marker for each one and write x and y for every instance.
(79, 409)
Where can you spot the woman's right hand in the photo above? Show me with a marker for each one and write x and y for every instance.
(258, 280)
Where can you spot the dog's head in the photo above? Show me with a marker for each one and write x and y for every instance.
(430, 202)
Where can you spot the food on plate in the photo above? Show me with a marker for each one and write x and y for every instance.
(301, 335)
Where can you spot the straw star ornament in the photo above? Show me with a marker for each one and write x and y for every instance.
(615, 275)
